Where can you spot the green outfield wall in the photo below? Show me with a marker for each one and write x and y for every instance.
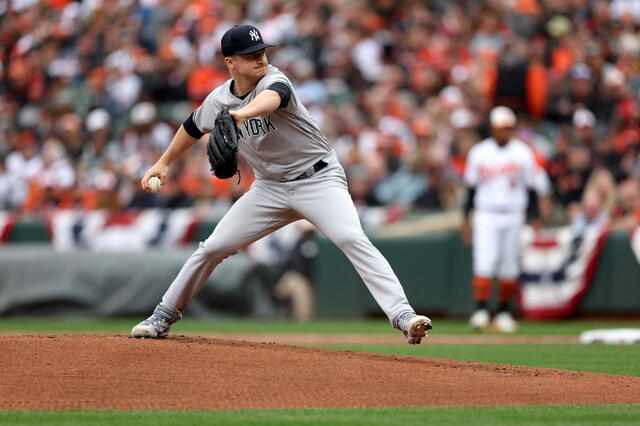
(435, 271)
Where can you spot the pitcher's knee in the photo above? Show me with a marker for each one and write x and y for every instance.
(215, 250)
(348, 239)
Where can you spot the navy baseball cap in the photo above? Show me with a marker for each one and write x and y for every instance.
(242, 39)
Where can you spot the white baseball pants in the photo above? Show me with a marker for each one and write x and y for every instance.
(322, 199)
(496, 244)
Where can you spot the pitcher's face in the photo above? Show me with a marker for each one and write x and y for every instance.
(251, 65)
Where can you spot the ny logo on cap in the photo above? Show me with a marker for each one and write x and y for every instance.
(255, 36)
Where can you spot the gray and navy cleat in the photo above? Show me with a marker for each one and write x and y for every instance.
(158, 324)
(414, 327)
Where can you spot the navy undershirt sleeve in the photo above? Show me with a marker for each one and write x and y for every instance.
(191, 128)
(284, 91)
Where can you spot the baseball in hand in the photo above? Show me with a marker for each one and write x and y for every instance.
(154, 183)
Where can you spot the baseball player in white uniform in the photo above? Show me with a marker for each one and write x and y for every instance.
(297, 177)
(500, 175)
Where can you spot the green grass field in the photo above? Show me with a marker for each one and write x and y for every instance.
(594, 358)
(346, 326)
(613, 359)
(522, 416)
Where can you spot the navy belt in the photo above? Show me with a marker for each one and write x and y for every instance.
(310, 171)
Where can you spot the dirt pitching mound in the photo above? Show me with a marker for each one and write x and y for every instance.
(118, 372)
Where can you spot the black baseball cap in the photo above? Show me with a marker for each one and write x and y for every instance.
(242, 39)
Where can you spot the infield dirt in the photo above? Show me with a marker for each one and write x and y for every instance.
(185, 372)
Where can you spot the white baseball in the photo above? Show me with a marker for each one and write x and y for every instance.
(154, 183)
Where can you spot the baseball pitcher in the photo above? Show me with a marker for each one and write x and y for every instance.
(500, 174)
(297, 176)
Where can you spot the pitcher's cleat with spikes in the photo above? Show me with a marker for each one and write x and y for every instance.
(414, 327)
(158, 324)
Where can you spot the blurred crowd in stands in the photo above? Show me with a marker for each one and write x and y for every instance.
(91, 92)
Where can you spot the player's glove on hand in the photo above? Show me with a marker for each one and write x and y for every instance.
(222, 148)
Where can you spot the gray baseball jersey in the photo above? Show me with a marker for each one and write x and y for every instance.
(278, 146)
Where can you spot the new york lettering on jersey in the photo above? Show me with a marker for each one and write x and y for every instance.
(257, 126)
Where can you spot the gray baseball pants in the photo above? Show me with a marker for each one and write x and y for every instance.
(322, 199)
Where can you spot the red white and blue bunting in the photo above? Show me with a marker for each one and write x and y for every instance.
(123, 231)
(558, 267)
